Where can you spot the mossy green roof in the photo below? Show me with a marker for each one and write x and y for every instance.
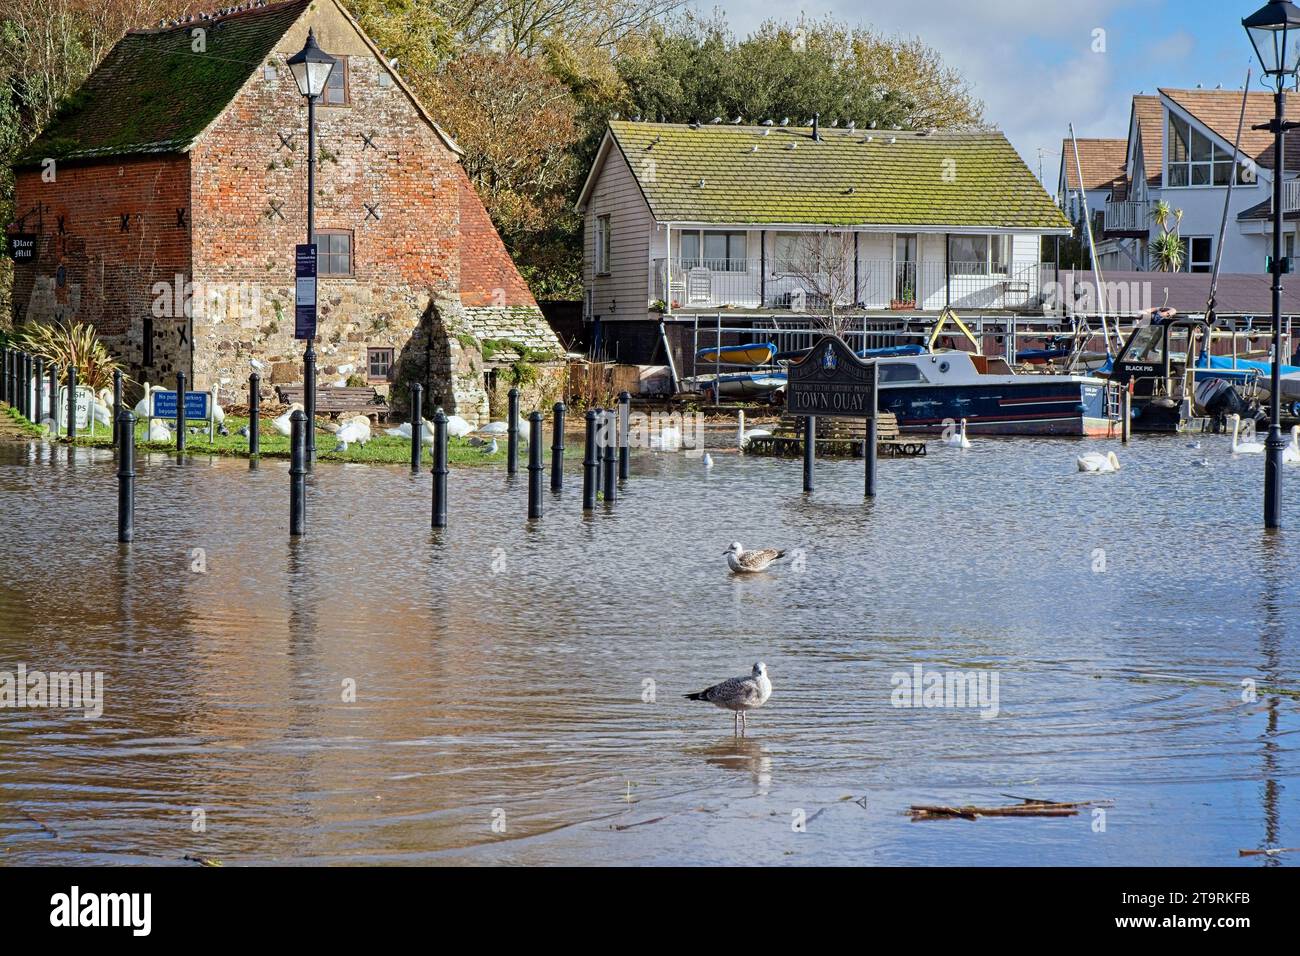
(775, 175)
(154, 94)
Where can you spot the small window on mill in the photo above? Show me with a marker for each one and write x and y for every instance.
(380, 363)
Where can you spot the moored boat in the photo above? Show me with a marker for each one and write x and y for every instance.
(753, 354)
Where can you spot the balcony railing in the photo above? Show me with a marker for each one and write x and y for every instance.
(1128, 216)
(880, 284)
(1290, 195)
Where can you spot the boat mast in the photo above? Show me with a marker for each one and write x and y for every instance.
(1211, 304)
(1092, 255)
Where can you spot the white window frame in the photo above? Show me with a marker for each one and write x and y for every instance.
(1205, 264)
(1218, 157)
(603, 235)
(998, 249)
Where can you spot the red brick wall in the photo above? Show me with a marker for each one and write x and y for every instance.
(487, 273)
(108, 273)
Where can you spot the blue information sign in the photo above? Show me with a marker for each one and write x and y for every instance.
(196, 405)
(304, 295)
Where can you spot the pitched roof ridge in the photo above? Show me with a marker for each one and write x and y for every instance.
(219, 15)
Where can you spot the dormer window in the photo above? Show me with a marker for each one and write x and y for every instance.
(1194, 159)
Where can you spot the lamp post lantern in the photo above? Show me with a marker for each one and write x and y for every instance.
(1274, 31)
(311, 67)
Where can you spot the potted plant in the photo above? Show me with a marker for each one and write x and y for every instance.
(906, 299)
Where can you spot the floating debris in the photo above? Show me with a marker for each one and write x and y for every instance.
(1028, 807)
(201, 860)
(1271, 851)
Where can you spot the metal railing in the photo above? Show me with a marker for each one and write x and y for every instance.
(876, 284)
(1128, 216)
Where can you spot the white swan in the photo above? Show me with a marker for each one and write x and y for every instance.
(353, 430)
(1096, 463)
(283, 424)
(158, 430)
(495, 428)
(142, 406)
(457, 427)
(958, 438)
(1291, 453)
(1243, 447)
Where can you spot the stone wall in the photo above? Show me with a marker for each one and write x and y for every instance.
(383, 175)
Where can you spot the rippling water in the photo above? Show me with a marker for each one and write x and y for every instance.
(500, 669)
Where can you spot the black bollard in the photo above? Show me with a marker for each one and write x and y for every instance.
(609, 481)
(4, 375)
(72, 402)
(27, 386)
(417, 425)
(589, 466)
(870, 456)
(809, 451)
(117, 403)
(440, 469)
(54, 399)
(297, 473)
(557, 447)
(39, 381)
(309, 400)
(599, 454)
(180, 411)
(535, 467)
(23, 390)
(624, 422)
(512, 433)
(125, 425)
(254, 414)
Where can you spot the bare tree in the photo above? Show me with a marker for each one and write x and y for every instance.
(822, 262)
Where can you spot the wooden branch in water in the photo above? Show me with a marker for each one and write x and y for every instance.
(1027, 808)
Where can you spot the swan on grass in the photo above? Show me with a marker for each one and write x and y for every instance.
(1096, 463)
(284, 424)
(1243, 447)
(158, 431)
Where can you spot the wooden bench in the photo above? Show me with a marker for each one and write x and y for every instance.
(334, 402)
(837, 438)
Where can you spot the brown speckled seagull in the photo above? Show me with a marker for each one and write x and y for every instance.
(738, 695)
(750, 562)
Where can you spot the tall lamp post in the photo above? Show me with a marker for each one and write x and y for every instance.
(311, 67)
(1274, 30)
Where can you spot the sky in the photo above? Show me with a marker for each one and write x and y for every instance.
(1033, 62)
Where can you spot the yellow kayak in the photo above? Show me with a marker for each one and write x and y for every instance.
(738, 354)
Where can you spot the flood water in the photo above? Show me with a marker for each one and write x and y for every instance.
(502, 671)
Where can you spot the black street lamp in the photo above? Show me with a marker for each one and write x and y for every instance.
(1274, 30)
(311, 67)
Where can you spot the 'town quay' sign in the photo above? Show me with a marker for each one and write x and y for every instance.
(831, 382)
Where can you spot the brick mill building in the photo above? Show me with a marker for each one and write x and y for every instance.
(177, 175)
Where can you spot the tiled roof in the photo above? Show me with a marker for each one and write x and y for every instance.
(514, 325)
(1150, 118)
(488, 276)
(1238, 293)
(153, 94)
(774, 175)
(1102, 161)
(1220, 111)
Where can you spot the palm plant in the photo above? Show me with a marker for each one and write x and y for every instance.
(1167, 249)
(71, 345)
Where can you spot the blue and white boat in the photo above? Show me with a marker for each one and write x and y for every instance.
(928, 391)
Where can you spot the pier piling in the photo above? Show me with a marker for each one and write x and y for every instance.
(1126, 416)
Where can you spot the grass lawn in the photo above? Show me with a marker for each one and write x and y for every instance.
(381, 449)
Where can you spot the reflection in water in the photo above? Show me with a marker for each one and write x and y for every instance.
(499, 669)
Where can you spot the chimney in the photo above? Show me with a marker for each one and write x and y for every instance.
(817, 135)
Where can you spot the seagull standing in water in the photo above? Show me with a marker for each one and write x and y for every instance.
(750, 562)
(738, 695)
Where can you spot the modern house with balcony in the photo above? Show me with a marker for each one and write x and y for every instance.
(771, 224)
(1101, 164)
(1179, 150)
